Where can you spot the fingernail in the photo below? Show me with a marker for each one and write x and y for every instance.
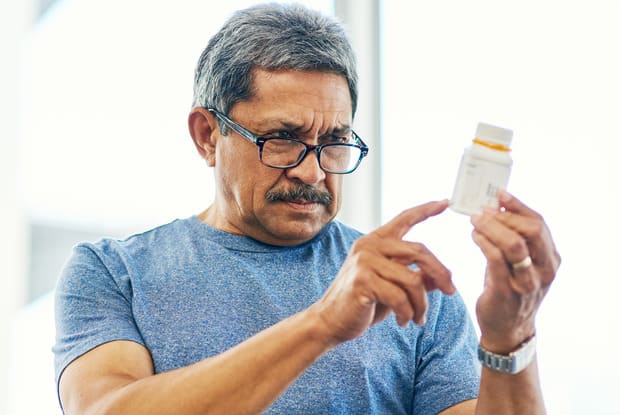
(452, 288)
(504, 196)
(475, 217)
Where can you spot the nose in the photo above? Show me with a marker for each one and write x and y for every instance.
(308, 171)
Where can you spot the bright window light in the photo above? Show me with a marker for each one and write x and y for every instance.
(107, 90)
(549, 71)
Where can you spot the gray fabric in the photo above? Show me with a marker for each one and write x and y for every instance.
(187, 291)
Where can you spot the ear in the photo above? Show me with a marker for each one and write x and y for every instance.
(202, 126)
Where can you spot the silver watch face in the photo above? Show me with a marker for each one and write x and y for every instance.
(512, 363)
(497, 362)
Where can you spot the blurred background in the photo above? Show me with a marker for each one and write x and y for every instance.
(94, 98)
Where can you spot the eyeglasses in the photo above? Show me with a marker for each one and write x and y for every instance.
(287, 152)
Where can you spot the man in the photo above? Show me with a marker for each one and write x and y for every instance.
(265, 303)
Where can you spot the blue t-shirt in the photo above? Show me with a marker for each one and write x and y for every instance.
(188, 291)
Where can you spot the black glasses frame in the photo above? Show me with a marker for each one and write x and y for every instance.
(260, 141)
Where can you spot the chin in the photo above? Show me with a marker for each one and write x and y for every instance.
(297, 233)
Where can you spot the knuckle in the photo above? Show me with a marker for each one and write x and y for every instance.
(363, 259)
(529, 285)
(361, 280)
(495, 256)
(361, 243)
(401, 303)
(516, 246)
(360, 251)
(415, 282)
(548, 278)
(538, 216)
(537, 228)
(362, 254)
(550, 269)
(506, 216)
(445, 274)
(419, 248)
(526, 284)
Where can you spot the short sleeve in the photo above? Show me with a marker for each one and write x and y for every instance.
(92, 304)
(448, 371)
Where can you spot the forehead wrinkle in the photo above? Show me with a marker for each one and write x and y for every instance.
(299, 108)
(298, 126)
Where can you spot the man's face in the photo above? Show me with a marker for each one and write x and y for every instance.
(307, 105)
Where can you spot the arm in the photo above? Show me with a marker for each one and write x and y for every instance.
(507, 308)
(118, 377)
(502, 393)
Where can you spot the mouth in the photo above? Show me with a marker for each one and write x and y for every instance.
(303, 205)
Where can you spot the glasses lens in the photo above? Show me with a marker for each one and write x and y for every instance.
(335, 158)
(282, 153)
(340, 158)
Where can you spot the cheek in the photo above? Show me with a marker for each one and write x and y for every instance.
(334, 186)
(245, 177)
(233, 172)
(236, 164)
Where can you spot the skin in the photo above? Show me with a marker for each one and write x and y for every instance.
(374, 281)
(240, 206)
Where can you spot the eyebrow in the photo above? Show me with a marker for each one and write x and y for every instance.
(275, 124)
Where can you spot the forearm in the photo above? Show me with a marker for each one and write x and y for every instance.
(506, 394)
(243, 380)
(522, 262)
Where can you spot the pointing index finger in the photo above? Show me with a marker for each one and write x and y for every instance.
(401, 224)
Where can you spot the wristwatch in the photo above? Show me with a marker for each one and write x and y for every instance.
(511, 363)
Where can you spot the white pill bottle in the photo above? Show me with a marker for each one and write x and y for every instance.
(485, 169)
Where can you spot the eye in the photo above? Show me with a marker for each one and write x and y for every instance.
(281, 134)
(337, 139)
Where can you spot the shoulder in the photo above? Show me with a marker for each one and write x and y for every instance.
(114, 258)
(163, 236)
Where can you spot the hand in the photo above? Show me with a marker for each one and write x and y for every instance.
(507, 308)
(375, 278)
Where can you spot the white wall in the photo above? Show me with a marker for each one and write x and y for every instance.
(32, 389)
(104, 91)
(549, 70)
(104, 142)
(15, 19)
(361, 206)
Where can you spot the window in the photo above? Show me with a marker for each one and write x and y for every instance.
(104, 147)
(548, 71)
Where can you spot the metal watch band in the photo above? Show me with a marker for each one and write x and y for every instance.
(512, 363)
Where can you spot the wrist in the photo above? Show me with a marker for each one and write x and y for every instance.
(511, 362)
(504, 344)
(319, 330)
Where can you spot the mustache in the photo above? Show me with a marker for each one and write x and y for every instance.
(304, 192)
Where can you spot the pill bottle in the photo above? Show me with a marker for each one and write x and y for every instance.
(485, 169)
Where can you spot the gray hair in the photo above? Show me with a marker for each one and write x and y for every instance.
(272, 37)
